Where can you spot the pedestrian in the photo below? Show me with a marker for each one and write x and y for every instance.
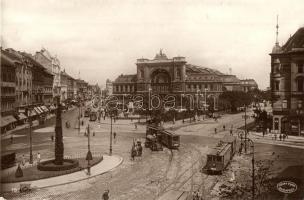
(280, 137)
(135, 126)
(215, 130)
(82, 122)
(133, 153)
(224, 127)
(275, 136)
(105, 195)
(114, 135)
(93, 133)
(38, 157)
(231, 134)
(52, 138)
(23, 160)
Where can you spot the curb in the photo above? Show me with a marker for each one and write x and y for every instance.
(120, 162)
(68, 182)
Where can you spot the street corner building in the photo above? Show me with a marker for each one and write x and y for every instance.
(163, 75)
(287, 84)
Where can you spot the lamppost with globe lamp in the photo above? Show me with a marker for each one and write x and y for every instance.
(30, 130)
(198, 102)
(111, 132)
(89, 156)
(205, 104)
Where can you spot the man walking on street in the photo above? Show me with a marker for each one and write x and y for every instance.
(38, 157)
(105, 195)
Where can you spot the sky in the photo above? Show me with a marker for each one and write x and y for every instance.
(103, 38)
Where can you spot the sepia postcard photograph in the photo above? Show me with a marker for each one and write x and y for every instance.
(152, 100)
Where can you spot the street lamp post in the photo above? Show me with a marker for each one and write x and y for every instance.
(89, 154)
(30, 129)
(111, 115)
(205, 105)
(197, 106)
(253, 173)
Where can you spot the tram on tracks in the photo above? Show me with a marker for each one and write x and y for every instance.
(221, 155)
(93, 116)
(156, 137)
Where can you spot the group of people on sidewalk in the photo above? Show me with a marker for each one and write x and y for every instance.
(23, 159)
(196, 195)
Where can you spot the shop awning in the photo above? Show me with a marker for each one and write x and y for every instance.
(40, 109)
(3, 122)
(33, 113)
(44, 108)
(6, 120)
(22, 116)
(37, 110)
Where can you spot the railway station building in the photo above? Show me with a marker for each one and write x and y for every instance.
(163, 76)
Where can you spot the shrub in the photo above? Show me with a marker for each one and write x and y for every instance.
(50, 166)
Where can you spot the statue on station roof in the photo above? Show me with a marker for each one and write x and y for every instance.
(160, 56)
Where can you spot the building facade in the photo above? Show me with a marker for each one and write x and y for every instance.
(287, 85)
(175, 76)
(52, 64)
(248, 85)
(24, 68)
(8, 93)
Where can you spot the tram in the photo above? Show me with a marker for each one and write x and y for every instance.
(157, 135)
(170, 140)
(221, 155)
(93, 116)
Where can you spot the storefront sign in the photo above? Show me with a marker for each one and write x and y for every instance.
(287, 187)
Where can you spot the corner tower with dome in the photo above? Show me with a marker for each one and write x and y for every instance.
(287, 84)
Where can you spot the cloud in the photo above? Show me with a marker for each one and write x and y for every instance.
(99, 36)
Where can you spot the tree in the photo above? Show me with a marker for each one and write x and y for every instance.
(236, 99)
(59, 148)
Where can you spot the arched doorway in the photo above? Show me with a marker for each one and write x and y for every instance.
(160, 81)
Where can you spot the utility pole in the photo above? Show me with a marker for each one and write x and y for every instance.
(111, 135)
(245, 130)
(253, 177)
(79, 117)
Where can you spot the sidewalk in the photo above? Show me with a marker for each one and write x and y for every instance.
(7, 135)
(108, 164)
(291, 141)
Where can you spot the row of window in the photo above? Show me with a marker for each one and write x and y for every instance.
(124, 88)
(8, 76)
(300, 85)
(202, 87)
(284, 68)
(7, 106)
(7, 90)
